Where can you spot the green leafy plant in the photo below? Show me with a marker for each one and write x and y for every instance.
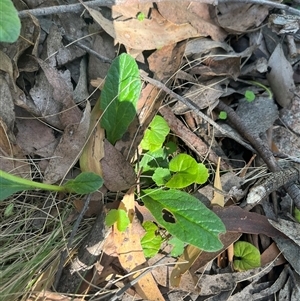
(249, 95)
(84, 183)
(246, 256)
(10, 24)
(182, 215)
(181, 171)
(119, 96)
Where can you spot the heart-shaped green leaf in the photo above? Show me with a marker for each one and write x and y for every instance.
(246, 256)
(156, 134)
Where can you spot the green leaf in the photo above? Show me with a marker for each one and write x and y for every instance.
(161, 176)
(156, 134)
(246, 256)
(151, 241)
(178, 246)
(185, 217)
(118, 216)
(297, 214)
(202, 174)
(10, 24)
(222, 115)
(187, 170)
(119, 96)
(249, 95)
(141, 16)
(84, 183)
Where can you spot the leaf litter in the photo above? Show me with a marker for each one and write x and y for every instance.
(205, 52)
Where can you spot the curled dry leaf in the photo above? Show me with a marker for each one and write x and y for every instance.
(118, 174)
(6, 103)
(69, 148)
(11, 157)
(70, 113)
(280, 77)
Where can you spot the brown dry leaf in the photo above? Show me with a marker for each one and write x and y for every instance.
(153, 33)
(44, 142)
(7, 113)
(118, 174)
(12, 158)
(194, 13)
(70, 113)
(130, 251)
(270, 254)
(218, 198)
(204, 95)
(103, 44)
(239, 17)
(93, 151)
(69, 148)
(202, 46)
(6, 66)
(289, 228)
(280, 77)
(220, 66)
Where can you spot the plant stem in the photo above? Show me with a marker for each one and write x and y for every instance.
(29, 183)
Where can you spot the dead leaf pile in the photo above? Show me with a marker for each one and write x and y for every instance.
(213, 55)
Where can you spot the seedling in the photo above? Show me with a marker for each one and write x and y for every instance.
(246, 256)
(223, 115)
(84, 183)
(141, 16)
(249, 95)
(10, 24)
